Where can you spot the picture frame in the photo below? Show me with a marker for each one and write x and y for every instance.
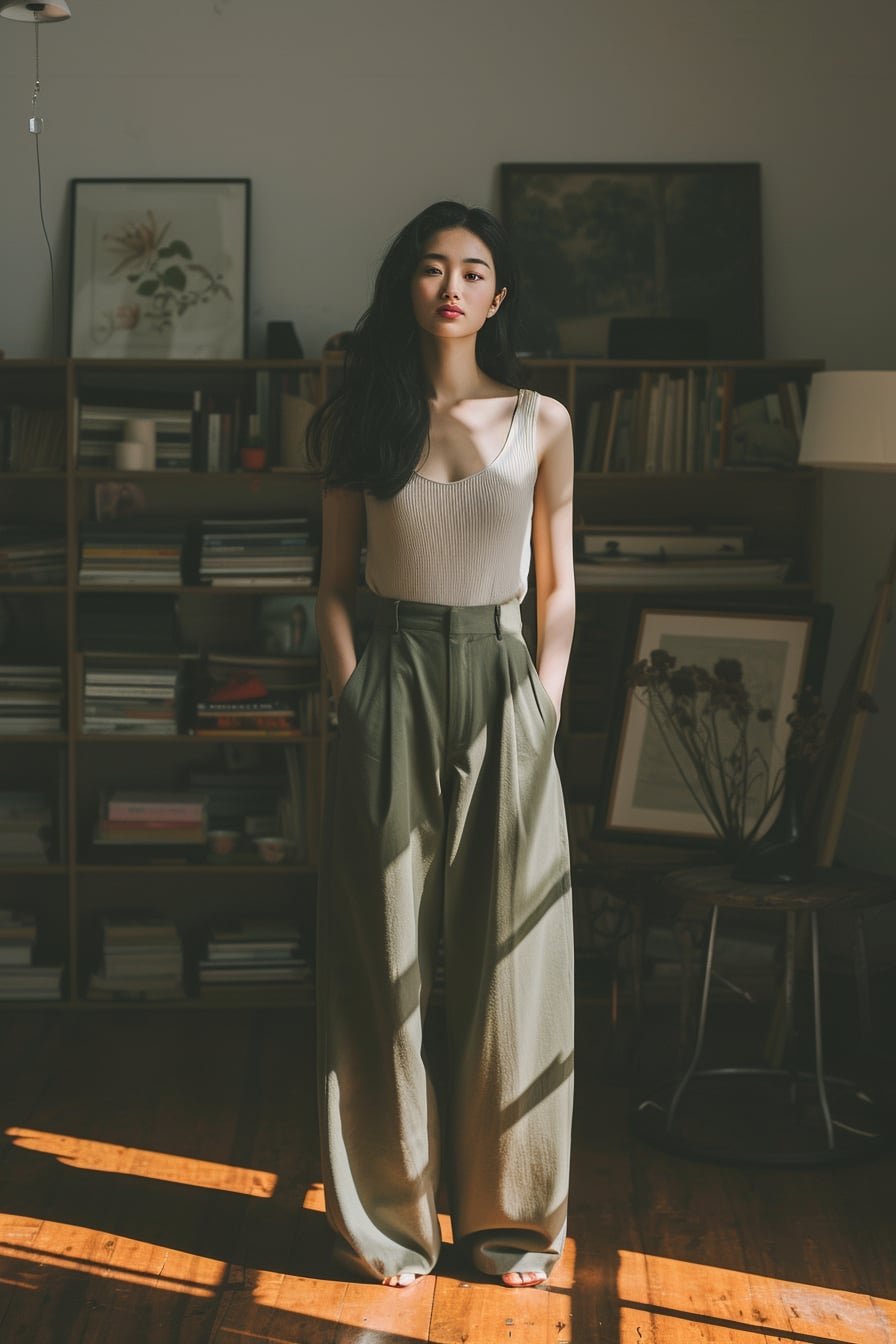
(663, 245)
(286, 627)
(159, 268)
(781, 651)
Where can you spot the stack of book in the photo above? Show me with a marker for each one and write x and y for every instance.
(672, 556)
(20, 978)
(241, 696)
(140, 555)
(155, 825)
(31, 554)
(280, 552)
(142, 958)
(32, 438)
(139, 698)
(101, 427)
(30, 699)
(26, 827)
(254, 955)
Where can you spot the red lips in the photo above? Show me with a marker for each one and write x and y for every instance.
(449, 310)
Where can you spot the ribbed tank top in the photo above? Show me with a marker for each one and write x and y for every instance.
(465, 542)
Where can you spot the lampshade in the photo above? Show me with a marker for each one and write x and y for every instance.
(35, 12)
(851, 421)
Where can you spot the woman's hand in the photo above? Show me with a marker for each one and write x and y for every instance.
(342, 537)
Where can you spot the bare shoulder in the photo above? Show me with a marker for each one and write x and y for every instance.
(553, 426)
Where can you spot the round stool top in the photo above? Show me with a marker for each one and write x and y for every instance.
(847, 888)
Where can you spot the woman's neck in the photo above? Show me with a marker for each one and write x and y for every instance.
(451, 369)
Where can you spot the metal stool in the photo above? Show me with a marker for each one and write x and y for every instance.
(863, 1132)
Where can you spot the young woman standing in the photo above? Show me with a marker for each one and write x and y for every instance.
(444, 814)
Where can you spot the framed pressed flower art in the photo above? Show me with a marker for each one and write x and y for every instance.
(159, 268)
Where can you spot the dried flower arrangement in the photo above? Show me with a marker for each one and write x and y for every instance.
(708, 723)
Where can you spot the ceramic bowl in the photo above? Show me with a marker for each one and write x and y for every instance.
(273, 848)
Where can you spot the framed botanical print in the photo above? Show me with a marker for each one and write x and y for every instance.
(159, 268)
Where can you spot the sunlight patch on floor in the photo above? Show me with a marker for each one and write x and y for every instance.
(724, 1300)
(103, 1254)
(110, 1157)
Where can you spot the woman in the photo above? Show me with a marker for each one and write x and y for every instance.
(444, 814)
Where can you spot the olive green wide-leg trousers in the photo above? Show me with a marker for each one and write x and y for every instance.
(444, 816)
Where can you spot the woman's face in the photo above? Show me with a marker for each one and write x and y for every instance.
(453, 286)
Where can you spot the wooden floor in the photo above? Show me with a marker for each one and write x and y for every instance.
(159, 1184)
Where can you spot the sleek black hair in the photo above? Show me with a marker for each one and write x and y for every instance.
(371, 433)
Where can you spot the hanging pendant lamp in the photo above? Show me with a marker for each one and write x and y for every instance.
(32, 11)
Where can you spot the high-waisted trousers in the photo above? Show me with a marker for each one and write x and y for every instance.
(444, 818)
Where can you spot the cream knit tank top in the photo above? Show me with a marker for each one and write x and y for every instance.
(462, 543)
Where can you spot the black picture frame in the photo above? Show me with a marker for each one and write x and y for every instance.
(159, 268)
(803, 629)
(673, 244)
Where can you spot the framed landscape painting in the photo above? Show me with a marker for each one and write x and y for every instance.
(605, 241)
(159, 268)
(647, 790)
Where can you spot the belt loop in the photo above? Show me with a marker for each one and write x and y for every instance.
(498, 621)
(397, 626)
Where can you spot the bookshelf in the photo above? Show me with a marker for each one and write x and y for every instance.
(163, 632)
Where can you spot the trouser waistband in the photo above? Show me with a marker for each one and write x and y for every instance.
(493, 618)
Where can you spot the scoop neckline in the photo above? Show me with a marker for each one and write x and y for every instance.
(471, 476)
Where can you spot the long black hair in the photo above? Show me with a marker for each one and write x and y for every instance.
(371, 433)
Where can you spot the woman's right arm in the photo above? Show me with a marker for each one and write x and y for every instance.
(343, 532)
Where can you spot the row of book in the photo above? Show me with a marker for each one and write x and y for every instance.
(228, 693)
(22, 978)
(185, 823)
(101, 427)
(203, 429)
(30, 554)
(690, 422)
(673, 556)
(143, 957)
(32, 438)
(233, 552)
(31, 698)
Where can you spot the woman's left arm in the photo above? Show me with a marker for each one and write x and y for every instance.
(552, 546)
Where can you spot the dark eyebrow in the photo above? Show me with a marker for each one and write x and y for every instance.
(467, 261)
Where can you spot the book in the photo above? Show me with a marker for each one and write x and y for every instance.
(711, 573)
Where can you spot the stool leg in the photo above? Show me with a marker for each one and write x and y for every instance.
(701, 1024)
(819, 1059)
(863, 982)
(789, 976)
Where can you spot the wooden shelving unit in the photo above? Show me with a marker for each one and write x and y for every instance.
(69, 893)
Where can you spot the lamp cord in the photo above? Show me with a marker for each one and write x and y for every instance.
(36, 127)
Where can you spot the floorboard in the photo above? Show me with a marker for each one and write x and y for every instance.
(159, 1184)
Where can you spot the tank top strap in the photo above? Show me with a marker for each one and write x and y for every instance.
(527, 419)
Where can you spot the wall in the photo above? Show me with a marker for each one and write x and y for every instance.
(348, 117)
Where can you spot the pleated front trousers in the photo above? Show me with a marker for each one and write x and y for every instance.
(444, 818)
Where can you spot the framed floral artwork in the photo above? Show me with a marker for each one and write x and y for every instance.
(159, 268)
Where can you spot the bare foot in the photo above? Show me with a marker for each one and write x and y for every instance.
(524, 1278)
(401, 1280)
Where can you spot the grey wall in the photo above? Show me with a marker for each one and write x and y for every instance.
(349, 116)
